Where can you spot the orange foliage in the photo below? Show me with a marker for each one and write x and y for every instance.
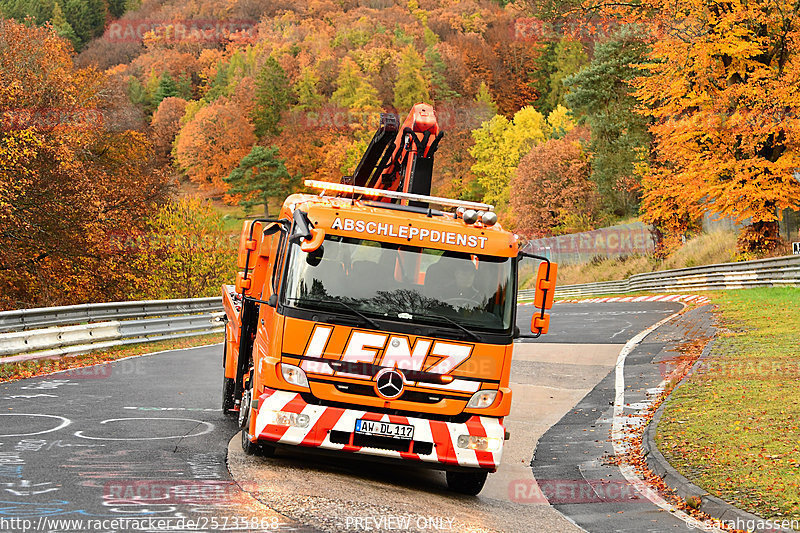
(68, 184)
(726, 128)
(551, 188)
(212, 143)
(165, 124)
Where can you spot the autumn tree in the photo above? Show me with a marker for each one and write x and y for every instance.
(166, 124)
(452, 173)
(184, 252)
(353, 90)
(552, 190)
(212, 143)
(261, 176)
(411, 86)
(70, 187)
(724, 104)
(499, 145)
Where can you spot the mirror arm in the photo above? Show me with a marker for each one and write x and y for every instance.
(281, 221)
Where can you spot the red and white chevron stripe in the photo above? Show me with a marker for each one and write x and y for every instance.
(443, 435)
(688, 298)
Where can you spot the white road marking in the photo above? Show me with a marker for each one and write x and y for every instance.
(620, 423)
(209, 427)
(64, 423)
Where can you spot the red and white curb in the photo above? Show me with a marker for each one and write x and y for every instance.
(686, 298)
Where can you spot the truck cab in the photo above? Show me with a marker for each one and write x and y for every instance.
(374, 323)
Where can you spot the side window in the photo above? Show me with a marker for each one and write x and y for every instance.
(279, 253)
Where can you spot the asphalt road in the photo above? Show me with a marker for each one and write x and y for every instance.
(129, 441)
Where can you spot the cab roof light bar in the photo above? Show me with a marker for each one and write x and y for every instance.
(366, 191)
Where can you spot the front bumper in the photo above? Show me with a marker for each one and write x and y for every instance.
(331, 428)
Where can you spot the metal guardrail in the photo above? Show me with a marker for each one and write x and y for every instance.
(54, 331)
(773, 272)
(72, 314)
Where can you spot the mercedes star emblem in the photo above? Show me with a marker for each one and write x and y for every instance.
(389, 383)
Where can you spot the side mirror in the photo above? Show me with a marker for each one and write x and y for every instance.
(540, 324)
(248, 244)
(545, 289)
(545, 286)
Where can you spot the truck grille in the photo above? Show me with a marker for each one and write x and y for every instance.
(460, 418)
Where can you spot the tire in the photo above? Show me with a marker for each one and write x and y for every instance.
(469, 483)
(249, 447)
(228, 386)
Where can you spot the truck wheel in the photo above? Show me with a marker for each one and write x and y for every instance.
(228, 385)
(466, 482)
(249, 447)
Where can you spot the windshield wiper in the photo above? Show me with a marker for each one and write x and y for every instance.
(349, 307)
(456, 324)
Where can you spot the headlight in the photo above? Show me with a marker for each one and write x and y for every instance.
(472, 442)
(482, 399)
(294, 375)
(283, 418)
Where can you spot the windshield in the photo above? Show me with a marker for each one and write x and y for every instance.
(397, 282)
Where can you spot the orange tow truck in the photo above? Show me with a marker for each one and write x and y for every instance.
(375, 319)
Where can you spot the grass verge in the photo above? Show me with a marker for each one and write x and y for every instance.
(27, 369)
(733, 428)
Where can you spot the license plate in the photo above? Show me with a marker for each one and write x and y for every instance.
(384, 429)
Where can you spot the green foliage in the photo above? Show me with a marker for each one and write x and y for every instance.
(273, 94)
(353, 90)
(411, 86)
(308, 96)
(484, 99)
(601, 95)
(137, 92)
(261, 175)
(440, 89)
(185, 253)
(78, 21)
(402, 38)
(569, 58)
(64, 28)
(166, 88)
(117, 8)
(499, 146)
